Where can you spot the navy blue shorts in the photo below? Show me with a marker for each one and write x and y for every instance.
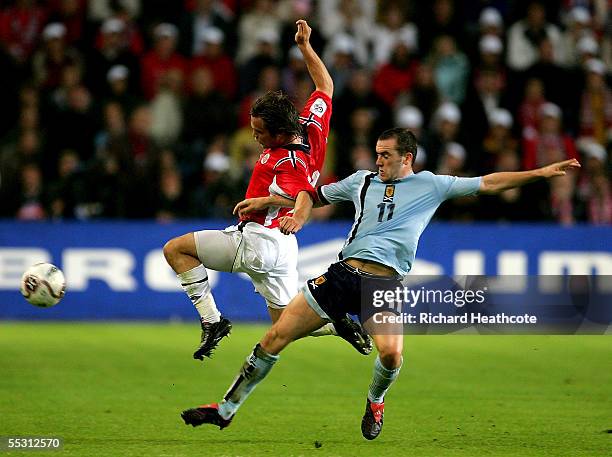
(345, 290)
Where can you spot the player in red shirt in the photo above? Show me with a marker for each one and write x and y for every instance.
(294, 151)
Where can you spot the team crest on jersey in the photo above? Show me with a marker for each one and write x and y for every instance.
(319, 107)
(264, 158)
(318, 281)
(389, 193)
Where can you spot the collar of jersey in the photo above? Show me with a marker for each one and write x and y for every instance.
(297, 147)
(395, 181)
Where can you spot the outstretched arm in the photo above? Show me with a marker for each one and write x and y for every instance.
(495, 183)
(319, 74)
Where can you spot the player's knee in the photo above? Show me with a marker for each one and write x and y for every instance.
(390, 357)
(171, 249)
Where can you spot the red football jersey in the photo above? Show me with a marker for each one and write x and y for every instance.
(293, 168)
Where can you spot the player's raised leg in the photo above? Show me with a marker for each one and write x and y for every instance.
(387, 366)
(296, 321)
(185, 258)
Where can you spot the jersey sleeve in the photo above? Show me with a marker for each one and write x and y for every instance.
(315, 117)
(454, 186)
(291, 177)
(345, 190)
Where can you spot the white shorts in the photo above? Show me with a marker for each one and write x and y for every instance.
(266, 255)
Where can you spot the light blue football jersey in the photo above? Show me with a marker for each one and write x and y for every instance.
(390, 217)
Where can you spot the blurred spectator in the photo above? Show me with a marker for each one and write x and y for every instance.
(548, 143)
(145, 153)
(215, 196)
(162, 58)
(268, 80)
(73, 127)
(112, 52)
(392, 28)
(596, 104)
(31, 199)
(351, 17)
(49, 61)
(361, 132)
(553, 76)
(293, 72)
(167, 108)
(396, 76)
(111, 174)
(490, 53)
(70, 13)
(491, 22)
(452, 161)
(578, 27)
(359, 93)
(20, 26)
(524, 38)
(66, 192)
(130, 37)
(58, 98)
(265, 54)
(207, 112)
(114, 131)
(451, 69)
(172, 203)
(214, 58)
(261, 17)
(606, 51)
(206, 15)
(600, 203)
(497, 142)
(339, 56)
(436, 20)
(100, 10)
(445, 129)
(486, 97)
(594, 200)
(118, 88)
(529, 110)
(411, 118)
(424, 94)
(26, 148)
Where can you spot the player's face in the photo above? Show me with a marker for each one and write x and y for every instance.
(262, 134)
(391, 164)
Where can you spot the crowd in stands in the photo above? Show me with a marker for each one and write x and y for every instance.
(140, 109)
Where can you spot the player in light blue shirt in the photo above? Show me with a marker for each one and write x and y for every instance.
(391, 215)
(392, 208)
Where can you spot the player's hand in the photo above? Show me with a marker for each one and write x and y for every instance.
(249, 205)
(290, 224)
(559, 168)
(302, 36)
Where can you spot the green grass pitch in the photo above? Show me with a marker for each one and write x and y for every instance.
(118, 389)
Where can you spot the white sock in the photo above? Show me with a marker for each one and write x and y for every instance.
(195, 284)
(327, 329)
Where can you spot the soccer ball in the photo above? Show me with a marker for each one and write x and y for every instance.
(43, 285)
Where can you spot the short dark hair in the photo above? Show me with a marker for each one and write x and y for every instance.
(406, 141)
(278, 114)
